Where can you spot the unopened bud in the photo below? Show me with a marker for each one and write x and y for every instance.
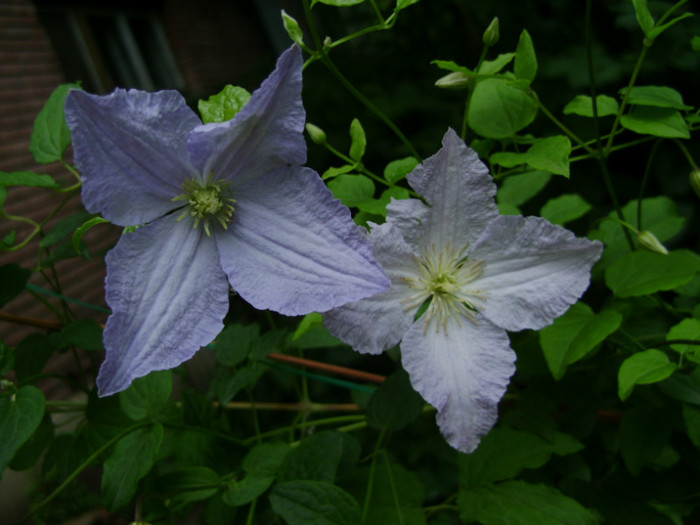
(491, 34)
(695, 181)
(454, 80)
(316, 133)
(648, 241)
(292, 28)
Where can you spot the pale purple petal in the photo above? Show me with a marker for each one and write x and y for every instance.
(460, 190)
(168, 296)
(377, 323)
(463, 374)
(294, 249)
(130, 147)
(534, 270)
(411, 217)
(265, 135)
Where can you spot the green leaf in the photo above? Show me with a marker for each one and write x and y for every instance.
(659, 122)
(64, 228)
(358, 140)
(518, 189)
(29, 453)
(50, 136)
(78, 235)
(642, 272)
(20, 415)
(499, 109)
(449, 65)
(519, 503)
(83, 333)
(644, 18)
(397, 170)
(575, 334)
(691, 416)
(334, 172)
(687, 329)
(27, 178)
(394, 404)
(550, 154)
(317, 457)
(186, 484)
(663, 27)
(224, 105)
(234, 343)
(683, 387)
(491, 67)
(378, 206)
(131, 459)
(525, 65)
(656, 96)
(306, 502)
(352, 189)
(33, 352)
(228, 381)
(13, 279)
(147, 396)
(565, 208)
(242, 492)
(503, 453)
(582, 105)
(307, 322)
(265, 458)
(644, 432)
(642, 368)
(403, 4)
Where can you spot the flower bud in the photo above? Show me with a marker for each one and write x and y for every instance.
(491, 34)
(292, 28)
(695, 181)
(454, 80)
(316, 133)
(648, 241)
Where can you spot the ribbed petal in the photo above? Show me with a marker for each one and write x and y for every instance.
(460, 190)
(265, 135)
(410, 217)
(534, 270)
(168, 296)
(377, 323)
(294, 249)
(463, 374)
(130, 147)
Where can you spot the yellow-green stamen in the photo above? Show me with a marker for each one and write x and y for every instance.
(206, 202)
(444, 279)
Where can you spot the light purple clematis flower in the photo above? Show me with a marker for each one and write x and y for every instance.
(482, 272)
(219, 203)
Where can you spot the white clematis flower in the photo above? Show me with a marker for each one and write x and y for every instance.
(480, 274)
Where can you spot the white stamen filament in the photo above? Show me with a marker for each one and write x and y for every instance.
(444, 278)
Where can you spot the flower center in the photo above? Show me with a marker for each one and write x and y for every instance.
(443, 286)
(207, 202)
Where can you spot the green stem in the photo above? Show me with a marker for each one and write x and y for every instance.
(370, 480)
(645, 178)
(316, 422)
(685, 151)
(561, 126)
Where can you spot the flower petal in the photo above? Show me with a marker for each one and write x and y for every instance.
(460, 190)
(409, 216)
(130, 147)
(168, 296)
(294, 249)
(265, 135)
(463, 373)
(377, 323)
(534, 270)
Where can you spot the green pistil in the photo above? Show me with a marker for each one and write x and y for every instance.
(206, 203)
(444, 281)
